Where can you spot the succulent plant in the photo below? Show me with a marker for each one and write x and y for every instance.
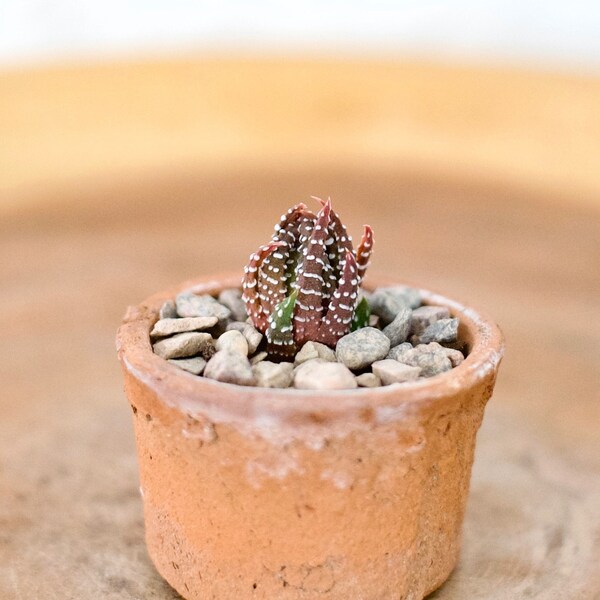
(304, 284)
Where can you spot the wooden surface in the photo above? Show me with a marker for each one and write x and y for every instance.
(58, 125)
(92, 221)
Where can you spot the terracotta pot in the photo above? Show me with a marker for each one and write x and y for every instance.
(261, 493)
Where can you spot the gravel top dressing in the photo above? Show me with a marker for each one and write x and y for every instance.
(404, 341)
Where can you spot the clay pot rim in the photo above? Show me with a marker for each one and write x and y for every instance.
(187, 392)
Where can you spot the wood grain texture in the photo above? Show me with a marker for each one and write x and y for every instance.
(86, 245)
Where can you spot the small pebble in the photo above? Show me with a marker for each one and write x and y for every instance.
(312, 350)
(232, 299)
(191, 305)
(230, 367)
(431, 358)
(325, 352)
(233, 341)
(312, 360)
(362, 347)
(396, 309)
(368, 380)
(397, 331)
(444, 330)
(307, 352)
(273, 375)
(183, 345)
(385, 305)
(170, 326)
(374, 321)
(400, 351)
(411, 297)
(258, 358)
(318, 374)
(252, 335)
(455, 356)
(168, 310)
(391, 371)
(191, 365)
(424, 316)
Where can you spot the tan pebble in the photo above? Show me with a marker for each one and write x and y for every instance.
(183, 345)
(191, 365)
(233, 341)
(166, 327)
(273, 375)
(391, 371)
(258, 358)
(307, 352)
(230, 367)
(456, 356)
(368, 380)
(321, 375)
(252, 335)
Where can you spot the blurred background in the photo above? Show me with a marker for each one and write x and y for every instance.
(142, 144)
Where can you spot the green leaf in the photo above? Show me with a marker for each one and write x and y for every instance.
(280, 332)
(361, 315)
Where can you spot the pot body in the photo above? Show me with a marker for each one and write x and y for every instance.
(273, 494)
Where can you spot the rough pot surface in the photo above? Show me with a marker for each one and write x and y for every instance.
(286, 494)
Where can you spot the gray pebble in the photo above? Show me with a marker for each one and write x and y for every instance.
(369, 380)
(312, 350)
(237, 325)
(191, 305)
(400, 351)
(386, 306)
(168, 310)
(233, 341)
(444, 330)
(431, 358)
(230, 367)
(273, 375)
(424, 316)
(318, 374)
(183, 345)
(391, 371)
(232, 299)
(362, 347)
(169, 326)
(397, 331)
(411, 297)
(191, 365)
